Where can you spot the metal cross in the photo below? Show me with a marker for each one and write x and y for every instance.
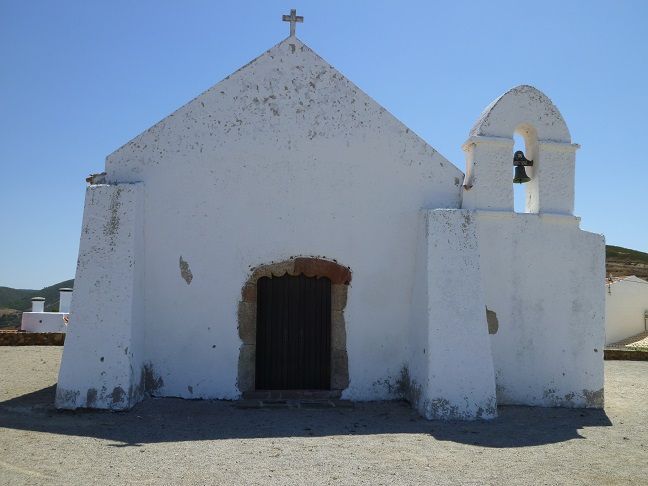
(293, 18)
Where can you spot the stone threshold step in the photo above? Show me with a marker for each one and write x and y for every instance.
(292, 395)
(305, 404)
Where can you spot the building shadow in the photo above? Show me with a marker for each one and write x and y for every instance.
(173, 419)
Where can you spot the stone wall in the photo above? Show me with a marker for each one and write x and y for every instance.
(19, 338)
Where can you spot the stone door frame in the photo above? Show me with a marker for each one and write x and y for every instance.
(340, 277)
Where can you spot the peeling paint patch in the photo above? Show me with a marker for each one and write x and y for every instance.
(407, 388)
(135, 393)
(66, 398)
(111, 227)
(91, 398)
(185, 271)
(118, 394)
(442, 408)
(500, 390)
(152, 383)
(549, 394)
(491, 319)
(487, 413)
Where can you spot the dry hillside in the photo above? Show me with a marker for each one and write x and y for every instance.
(621, 262)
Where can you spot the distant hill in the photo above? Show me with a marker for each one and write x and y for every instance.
(20, 299)
(621, 262)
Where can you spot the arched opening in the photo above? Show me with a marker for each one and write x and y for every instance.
(525, 140)
(519, 190)
(302, 300)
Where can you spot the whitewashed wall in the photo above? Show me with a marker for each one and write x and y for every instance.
(626, 301)
(451, 366)
(102, 358)
(285, 157)
(541, 275)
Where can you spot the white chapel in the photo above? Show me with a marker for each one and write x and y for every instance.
(283, 232)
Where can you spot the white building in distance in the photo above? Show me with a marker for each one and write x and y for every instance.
(283, 231)
(626, 310)
(40, 321)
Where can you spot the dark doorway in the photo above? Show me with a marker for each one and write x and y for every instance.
(293, 333)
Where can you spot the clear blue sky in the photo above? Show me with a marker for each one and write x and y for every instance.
(81, 78)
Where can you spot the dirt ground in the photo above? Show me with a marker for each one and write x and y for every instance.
(172, 441)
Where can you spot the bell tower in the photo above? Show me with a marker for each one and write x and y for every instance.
(541, 276)
(489, 155)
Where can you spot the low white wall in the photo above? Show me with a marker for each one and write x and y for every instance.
(626, 301)
(543, 278)
(44, 321)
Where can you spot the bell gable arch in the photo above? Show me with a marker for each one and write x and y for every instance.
(526, 111)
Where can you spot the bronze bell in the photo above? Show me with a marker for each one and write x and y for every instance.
(520, 161)
(520, 175)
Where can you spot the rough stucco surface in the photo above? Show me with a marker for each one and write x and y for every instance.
(286, 157)
(488, 182)
(522, 105)
(459, 378)
(626, 301)
(544, 278)
(101, 364)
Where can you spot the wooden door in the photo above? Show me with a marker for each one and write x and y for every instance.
(293, 343)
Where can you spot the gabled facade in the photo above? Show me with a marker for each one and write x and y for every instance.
(283, 230)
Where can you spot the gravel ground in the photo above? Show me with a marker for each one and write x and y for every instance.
(172, 441)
